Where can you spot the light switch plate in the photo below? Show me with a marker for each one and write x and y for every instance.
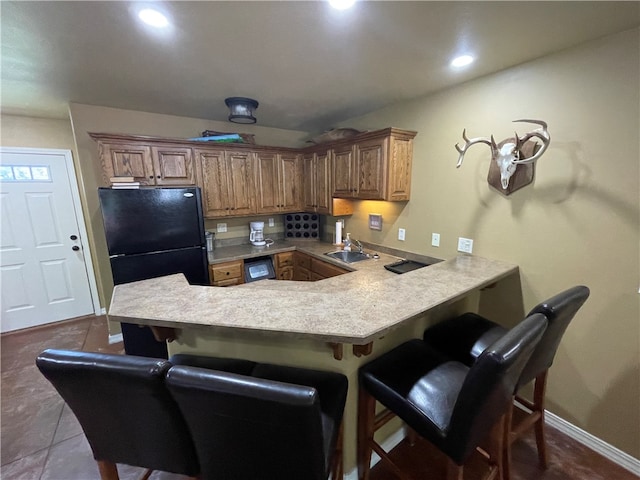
(271, 222)
(221, 227)
(401, 233)
(465, 245)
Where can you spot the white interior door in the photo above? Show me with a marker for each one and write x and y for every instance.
(43, 273)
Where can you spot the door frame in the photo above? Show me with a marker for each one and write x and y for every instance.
(77, 207)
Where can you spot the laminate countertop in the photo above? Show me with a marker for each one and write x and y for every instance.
(355, 308)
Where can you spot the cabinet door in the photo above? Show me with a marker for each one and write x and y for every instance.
(122, 160)
(290, 181)
(241, 187)
(212, 168)
(344, 172)
(323, 183)
(400, 160)
(309, 161)
(267, 183)
(371, 161)
(173, 166)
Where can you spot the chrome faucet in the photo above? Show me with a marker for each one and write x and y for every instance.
(359, 245)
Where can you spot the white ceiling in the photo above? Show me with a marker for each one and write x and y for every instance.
(308, 65)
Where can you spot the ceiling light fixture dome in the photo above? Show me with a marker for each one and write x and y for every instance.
(241, 109)
(153, 17)
(462, 61)
(342, 4)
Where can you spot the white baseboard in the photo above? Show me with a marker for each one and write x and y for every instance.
(608, 451)
(117, 338)
(594, 443)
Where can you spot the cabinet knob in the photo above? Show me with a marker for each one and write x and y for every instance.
(151, 177)
(157, 176)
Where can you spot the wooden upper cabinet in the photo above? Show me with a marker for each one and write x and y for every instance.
(317, 182)
(173, 165)
(374, 166)
(226, 182)
(371, 169)
(124, 160)
(278, 182)
(147, 163)
(290, 182)
(240, 182)
(343, 171)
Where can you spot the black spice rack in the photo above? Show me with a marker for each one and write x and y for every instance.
(302, 226)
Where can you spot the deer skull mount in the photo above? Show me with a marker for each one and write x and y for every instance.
(512, 160)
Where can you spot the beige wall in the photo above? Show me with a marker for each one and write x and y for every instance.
(577, 224)
(18, 131)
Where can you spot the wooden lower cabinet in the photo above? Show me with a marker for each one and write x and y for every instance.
(310, 269)
(227, 274)
(284, 265)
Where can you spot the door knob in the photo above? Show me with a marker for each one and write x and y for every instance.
(73, 237)
(75, 248)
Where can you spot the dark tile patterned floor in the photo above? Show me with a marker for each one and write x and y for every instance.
(42, 440)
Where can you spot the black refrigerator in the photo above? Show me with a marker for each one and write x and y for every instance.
(152, 232)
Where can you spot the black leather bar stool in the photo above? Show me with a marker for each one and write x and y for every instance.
(124, 408)
(455, 407)
(466, 337)
(272, 422)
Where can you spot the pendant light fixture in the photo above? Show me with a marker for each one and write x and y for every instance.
(241, 109)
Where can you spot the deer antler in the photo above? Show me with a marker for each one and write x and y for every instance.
(542, 134)
(468, 142)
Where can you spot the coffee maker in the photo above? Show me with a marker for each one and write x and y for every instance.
(256, 237)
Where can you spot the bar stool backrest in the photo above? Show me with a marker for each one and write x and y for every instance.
(248, 428)
(124, 408)
(559, 310)
(489, 385)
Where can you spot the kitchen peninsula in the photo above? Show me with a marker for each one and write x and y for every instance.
(302, 323)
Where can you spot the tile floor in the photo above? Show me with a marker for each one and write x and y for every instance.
(42, 440)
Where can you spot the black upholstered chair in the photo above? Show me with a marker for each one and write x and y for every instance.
(455, 407)
(124, 408)
(466, 337)
(272, 422)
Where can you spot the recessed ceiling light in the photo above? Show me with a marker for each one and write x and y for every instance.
(462, 61)
(153, 18)
(341, 4)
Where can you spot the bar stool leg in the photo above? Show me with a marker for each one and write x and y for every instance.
(366, 415)
(108, 470)
(539, 390)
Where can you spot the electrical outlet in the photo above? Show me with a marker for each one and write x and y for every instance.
(435, 239)
(221, 227)
(465, 245)
(401, 233)
(271, 222)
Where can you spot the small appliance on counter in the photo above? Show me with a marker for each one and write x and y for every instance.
(256, 237)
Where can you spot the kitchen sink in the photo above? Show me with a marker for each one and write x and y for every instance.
(348, 257)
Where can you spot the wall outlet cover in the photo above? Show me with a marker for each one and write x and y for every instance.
(221, 227)
(401, 234)
(435, 239)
